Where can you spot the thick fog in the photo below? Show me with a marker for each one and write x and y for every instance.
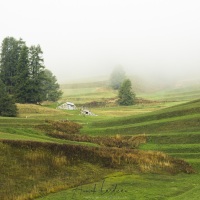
(88, 38)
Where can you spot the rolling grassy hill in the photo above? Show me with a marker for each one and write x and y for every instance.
(174, 130)
(187, 93)
(33, 163)
(175, 118)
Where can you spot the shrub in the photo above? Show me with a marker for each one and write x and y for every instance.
(60, 127)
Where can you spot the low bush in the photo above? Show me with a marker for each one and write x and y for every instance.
(116, 141)
(60, 127)
(146, 161)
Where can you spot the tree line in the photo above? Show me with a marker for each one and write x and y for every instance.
(23, 76)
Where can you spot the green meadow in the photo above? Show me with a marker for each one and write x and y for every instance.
(39, 161)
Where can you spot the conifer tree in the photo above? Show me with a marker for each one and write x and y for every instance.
(51, 89)
(117, 77)
(126, 95)
(10, 52)
(23, 85)
(37, 75)
(8, 107)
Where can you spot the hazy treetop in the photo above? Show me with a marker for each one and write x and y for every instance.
(85, 38)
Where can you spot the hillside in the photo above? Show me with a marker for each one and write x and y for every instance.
(178, 118)
(176, 93)
(142, 144)
(174, 130)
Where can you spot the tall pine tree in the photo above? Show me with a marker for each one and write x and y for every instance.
(7, 104)
(117, 77)
(51, 89)
(10, 52)
(37, 76)
(23, 84)
(126, 95)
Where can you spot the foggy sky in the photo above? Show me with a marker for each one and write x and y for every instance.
(84, 38)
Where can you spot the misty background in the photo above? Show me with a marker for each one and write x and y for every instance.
(153, 39)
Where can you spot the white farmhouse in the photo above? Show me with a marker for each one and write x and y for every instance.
(67, 106)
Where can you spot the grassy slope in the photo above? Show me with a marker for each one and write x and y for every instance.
(87, 92)
(174, 130)
(183, 142)
(178, 118)
(28, 172)
(188, 93)
(135, 186)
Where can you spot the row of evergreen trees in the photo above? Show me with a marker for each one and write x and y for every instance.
(23, 75)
